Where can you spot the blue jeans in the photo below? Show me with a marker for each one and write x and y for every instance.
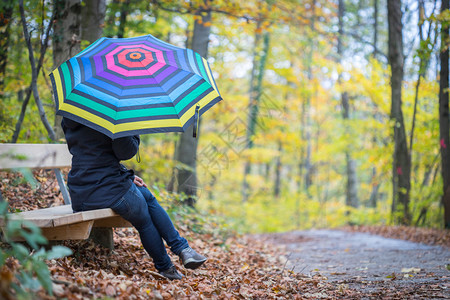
(142, 210)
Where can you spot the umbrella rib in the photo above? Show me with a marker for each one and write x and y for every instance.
(168, 94)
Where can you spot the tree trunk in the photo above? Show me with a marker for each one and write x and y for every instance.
(351, 187)
(5, 24)
(252, 102)
(374, 181)
(255, 96)
(375, 186)
(66, 40)
(375, 28)
(352, 184)
(187, 144)
(308, 165)
(424, 60)
(401, 159)
(444, 126)
(92, 19)
(43, 50)
(124, 11)
(34, 72)
(277, 185)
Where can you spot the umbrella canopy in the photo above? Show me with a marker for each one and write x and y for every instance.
(130, 86)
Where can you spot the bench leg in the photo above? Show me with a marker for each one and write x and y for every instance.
(102, 236)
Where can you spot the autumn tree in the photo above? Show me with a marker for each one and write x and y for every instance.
(6, 10)
(255, 90)
(186, 152)
(351, 187)
(401, 166)
(66, 39)
(444, 130)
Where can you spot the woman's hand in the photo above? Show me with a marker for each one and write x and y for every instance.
(138, 181)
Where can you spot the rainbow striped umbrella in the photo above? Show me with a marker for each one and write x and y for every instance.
(131, 86)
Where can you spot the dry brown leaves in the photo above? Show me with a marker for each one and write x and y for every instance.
(22, 197)
(237, 268)
(241, 268)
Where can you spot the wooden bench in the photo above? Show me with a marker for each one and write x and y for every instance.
(59, 222)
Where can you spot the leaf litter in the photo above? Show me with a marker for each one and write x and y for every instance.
(238, 267)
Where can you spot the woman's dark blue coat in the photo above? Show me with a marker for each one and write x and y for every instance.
(97, 179)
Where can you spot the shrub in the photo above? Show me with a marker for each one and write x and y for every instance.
(22, 264)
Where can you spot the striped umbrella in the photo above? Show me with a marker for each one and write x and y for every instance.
(131, 86)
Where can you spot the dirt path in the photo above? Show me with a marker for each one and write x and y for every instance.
(374, 265)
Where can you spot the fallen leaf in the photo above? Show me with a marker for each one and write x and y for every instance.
(411, 270)
(110, 291)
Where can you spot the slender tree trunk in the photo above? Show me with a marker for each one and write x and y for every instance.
(424, 60)
(444, 125)
(124, 11)
(374, 181)
(308, 126)
(375, 28)
(255, 98)
(25, 102)
(252, 103)
(66, 40)
(308, 165)
(401, 159)
(375, 186)
(352, 184)
(277, 185)
(34, 74)
(5, 24)
(187, 145)
(351, 187)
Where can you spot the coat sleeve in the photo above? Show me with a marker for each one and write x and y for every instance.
(126, 147)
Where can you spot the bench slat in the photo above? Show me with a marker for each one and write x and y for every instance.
(63, 215)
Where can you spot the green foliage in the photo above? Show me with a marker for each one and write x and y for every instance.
(31, 272)
(203, 222)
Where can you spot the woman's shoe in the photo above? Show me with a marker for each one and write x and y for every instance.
(191, 259)
(171, 273)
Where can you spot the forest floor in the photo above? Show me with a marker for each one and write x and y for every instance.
(350, 263)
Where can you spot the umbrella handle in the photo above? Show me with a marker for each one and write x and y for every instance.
(196, 119)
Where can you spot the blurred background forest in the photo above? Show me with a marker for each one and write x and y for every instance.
(311, 132)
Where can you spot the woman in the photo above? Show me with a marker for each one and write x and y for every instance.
(98, 180)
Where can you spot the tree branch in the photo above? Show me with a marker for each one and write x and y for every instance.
(34, 73)
(44, 47)
(362, 40)
(194, 11)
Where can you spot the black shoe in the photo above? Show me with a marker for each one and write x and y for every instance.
(191, 259)
(171, 273)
